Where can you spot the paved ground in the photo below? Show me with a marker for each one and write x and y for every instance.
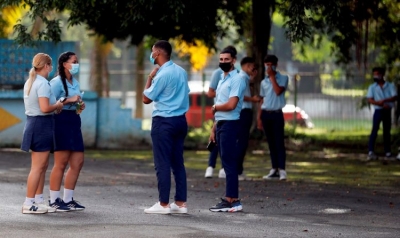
(116, 192)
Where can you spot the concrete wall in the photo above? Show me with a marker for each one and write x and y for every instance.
(104, 123)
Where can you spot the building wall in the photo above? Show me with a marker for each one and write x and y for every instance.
(105, 124)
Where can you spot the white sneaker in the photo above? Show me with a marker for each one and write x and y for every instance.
(242, 177)
(158, 209)
(209, 172)
(273, 174)
(282, 174)
(178, 209)
(372, 156)
(33, 209)
(46, 205)
(221, 173)
(398, 156)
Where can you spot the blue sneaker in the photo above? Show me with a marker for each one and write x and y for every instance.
(236, 206)
(59, 205)
(74, 205)
(223, 206)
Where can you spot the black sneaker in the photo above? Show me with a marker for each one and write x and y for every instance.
(223, 206)
(74, 205)
(59, 205)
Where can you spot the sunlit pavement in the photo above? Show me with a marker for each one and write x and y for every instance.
(116, 192)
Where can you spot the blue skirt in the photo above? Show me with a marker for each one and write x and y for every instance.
(67, 131)
(38, 134)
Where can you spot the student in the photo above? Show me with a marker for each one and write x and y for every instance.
(167, 87)
(229, 100)
(69, 146)
(40, 105)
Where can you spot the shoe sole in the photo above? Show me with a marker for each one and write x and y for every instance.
(178, 212)
(59, 210)
(33, 212)
(236, 209)
(76, 209)
(220, 209)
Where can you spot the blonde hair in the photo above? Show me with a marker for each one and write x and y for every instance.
(38, 63)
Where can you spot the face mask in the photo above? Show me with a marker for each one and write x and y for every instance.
(74, 69)
(226, 67)
(152, 60)
(273, 67)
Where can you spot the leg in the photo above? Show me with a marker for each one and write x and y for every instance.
(387, 125)
(246, 118)
(40, 188)
(57, 173)
(75, 165)
(268, 126)
(39, 164)
(177, 164)
(376, 120)
(226, 139)
(212, 159)
(161, 135)
(279, 134)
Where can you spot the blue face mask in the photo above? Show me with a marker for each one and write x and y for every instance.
(273, 67)
(74, 69)
(153, 60)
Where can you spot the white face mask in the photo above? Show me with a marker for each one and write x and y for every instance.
(74, 69)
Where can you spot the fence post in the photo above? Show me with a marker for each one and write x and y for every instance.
(203, 98)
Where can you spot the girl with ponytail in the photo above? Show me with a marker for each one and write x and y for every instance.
(68, 139)
(40, 105)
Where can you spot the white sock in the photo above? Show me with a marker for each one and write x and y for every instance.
(54, 195)
(68, 194)
(39, 198)
(29, 201)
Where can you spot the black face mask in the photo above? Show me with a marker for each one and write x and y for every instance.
(226, 67)
(378, 79)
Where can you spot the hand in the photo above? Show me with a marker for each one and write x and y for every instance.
(83, 105)
(74, 99)
(259, 124)
(270, 71)
(212, 136)
(380, 103)
(256, 98)
(59, 106)
(154, 72)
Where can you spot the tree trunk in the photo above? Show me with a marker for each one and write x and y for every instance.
(99, 75)
(140, 51)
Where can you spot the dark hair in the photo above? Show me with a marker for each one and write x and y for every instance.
(164, 45)
(380, 70)
(247, 60)
(233, 49)
(64, 57)
(271, 59)
(229, 50)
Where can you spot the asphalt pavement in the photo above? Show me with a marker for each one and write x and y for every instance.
(116, 192)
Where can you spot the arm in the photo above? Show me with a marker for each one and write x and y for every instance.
(212, 134)
(211, 93)
(228, 106)
(277, 89)
(251, 99)
(378, 103)
(150, 77)
(259, 121)
(45, 106)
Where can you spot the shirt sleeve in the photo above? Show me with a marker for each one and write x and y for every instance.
(284, 81)
(156, 88)
(44, 90)
(370, 94)
(56, 88)
(262, 92)
(215, 77)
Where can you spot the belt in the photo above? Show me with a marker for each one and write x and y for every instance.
(272, 111)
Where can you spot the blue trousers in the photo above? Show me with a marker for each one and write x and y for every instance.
(273, 124)
(168, 135)
(226, 137)
(384, 116)
(212, 159)
(246, 119)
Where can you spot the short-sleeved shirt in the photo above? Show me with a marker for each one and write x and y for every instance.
(215, 77)
(271, 100)
(247, 92)
(169, 91)
(379, 93)
(40, 88)
(232, 85)
(59, 91)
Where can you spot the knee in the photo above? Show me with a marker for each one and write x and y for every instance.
(77, 165)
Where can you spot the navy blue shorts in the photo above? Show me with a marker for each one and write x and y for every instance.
(67, 131)
(38, 134)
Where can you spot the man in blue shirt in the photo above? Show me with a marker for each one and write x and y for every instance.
(212, 159)
(167, 86)
(226, 110)
(270, 116)
(382, 95)
(246, 114)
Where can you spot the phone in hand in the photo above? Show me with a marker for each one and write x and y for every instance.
(211, 145)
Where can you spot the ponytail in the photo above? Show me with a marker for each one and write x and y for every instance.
(31, 79)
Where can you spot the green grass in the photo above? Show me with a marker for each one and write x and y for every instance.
(343, 125)
(324, 166)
